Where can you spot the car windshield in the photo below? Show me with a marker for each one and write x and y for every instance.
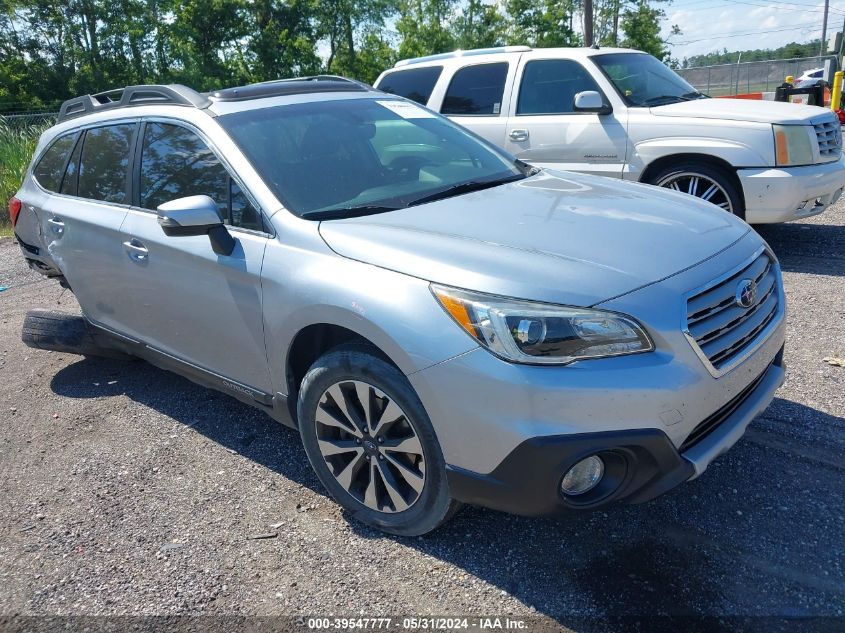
(643, 81)
(347, 157)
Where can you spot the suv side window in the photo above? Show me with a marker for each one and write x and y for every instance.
(71, 180)
(549, 86)
(103, 173)
(175, 163)
(415, 83)
(476, 90)
(49, 170)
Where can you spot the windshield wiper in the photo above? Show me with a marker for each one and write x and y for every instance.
(346, 212)
(695, 94)
(465, 187)
(667, 98)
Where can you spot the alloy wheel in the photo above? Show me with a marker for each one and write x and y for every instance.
(700, 186)
(370, 446)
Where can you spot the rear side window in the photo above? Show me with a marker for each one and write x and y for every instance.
(415, 84)
(176, 163)
(549, 86)
(104, 162)
(49, 170)
(71, 179)
(476, 90)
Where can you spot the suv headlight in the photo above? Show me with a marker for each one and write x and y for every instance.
(793, 145)
(531, 332)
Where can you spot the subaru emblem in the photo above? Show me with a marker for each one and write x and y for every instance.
(746, 293)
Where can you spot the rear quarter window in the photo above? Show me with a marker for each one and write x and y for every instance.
(415, 83)
(51, 167)
(476, 90)
(104, 163)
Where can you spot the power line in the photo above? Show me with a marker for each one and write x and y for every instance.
(726, 35)
(788, 6)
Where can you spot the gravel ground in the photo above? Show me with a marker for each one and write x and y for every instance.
(127, 490)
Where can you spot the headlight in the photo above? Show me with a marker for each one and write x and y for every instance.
(793, 145)
(530, 332)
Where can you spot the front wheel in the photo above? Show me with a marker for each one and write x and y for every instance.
(707, 182)
(371, 443)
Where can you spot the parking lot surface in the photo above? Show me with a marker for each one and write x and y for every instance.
(128, 490)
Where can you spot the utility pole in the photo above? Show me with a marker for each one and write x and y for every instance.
(616, 22)
(823, 45)
(588, 22)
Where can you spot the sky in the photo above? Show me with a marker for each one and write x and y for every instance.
(711, 25)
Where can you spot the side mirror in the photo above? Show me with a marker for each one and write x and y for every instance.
(196, 215)
(591, 101)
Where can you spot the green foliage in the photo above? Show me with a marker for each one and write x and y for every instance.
(16, 147)
(542, 23)
(480, 25)
(423, 27)
(641, 27)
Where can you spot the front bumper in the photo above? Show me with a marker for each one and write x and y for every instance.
(640, 464)
(780, 194)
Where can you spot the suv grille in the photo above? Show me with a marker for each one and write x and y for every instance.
(829, 135)
(719, 326)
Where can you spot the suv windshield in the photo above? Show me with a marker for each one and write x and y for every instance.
(348, 157)
(643, 81)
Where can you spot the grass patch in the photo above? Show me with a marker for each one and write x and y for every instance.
(17, 143)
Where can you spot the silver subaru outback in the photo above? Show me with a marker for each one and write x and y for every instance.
(442, 323)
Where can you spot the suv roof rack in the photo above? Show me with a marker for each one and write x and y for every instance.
(174, 94)
(459, 53)
(297, 85)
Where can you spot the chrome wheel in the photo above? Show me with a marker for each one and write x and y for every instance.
(370, 446)
(700, 186)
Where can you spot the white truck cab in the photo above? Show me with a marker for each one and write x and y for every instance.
(622, 113)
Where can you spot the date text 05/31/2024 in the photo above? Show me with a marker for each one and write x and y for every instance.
(417, 623)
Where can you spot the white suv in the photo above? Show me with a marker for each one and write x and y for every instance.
(622, 113)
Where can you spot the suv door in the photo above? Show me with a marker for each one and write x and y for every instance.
(81, 219)
(477, 98)
(544, 128)
(188, 302)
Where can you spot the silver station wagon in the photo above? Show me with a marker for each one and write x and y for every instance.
(441, 322)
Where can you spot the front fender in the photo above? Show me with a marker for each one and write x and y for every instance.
(395, 312)
(735, 153)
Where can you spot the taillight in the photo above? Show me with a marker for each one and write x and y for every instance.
(14, 210)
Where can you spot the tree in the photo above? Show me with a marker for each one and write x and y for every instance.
(350, 26)
(479, 25)
(641, 26)
(542, 23)
(423, 27)
(281, 40)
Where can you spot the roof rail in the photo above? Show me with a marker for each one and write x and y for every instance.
(174, 94)
(459, 53)
(295, 85)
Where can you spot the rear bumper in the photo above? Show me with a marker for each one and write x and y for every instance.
(644, 462)
(780, 194)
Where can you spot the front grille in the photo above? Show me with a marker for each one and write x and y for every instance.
(722, 329)
(829, 135)
(712, 422)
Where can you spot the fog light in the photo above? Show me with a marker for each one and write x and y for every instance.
(583, 476)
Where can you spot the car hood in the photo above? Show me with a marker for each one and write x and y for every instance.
(743, 110)
(556, 237)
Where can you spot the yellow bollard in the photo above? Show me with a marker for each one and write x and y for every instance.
(836, 91)
(790, 79)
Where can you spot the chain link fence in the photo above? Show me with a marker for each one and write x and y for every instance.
(21, 121)
(746, 77)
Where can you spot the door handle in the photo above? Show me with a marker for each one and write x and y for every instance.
(56, 225)
(136, 250)
(518, 135)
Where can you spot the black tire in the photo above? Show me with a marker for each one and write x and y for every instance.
(61, 332)
(349, 362)
(718, 175)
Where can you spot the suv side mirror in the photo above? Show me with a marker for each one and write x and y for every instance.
(196, 215)
(591, 101)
